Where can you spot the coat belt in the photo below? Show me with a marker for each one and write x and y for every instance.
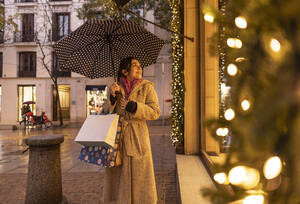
(131, 141)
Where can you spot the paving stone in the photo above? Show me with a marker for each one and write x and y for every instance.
(82, 183)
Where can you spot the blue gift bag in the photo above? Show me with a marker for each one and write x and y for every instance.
(104, 156)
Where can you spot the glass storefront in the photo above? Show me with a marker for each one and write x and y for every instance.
(95, 98)
(26, 93)
(64, 98)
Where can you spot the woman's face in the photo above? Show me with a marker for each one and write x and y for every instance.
(136, 71)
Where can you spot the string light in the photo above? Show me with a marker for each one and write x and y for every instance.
(222, 132)
(251, 179)
(240, 22)
(275, 45)
(237, 175)
(231, 42)
(244, 176)
(240, 59)
(229, 114)
(209, 18)
(272, 167)
(220, 178)
(254, 199)
(232, 69)
(178, 74)
(234, 42)
(245, 105)
(238, 43)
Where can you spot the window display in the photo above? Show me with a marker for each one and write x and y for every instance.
(96, 96)
(27, 98)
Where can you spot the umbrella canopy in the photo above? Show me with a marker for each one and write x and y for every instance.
(121, 2)
(96, 48)
(29, 102)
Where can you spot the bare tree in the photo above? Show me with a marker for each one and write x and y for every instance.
(45, 40)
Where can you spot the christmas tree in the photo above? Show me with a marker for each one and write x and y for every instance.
(259, 49)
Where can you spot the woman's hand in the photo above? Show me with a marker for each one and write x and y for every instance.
(113, 88)
(123, 103)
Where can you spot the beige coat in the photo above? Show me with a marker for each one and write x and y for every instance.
(134, 182)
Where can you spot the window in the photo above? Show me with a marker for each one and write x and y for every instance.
(27, 64)
(64, 98)
(1, 36)
(61, 25)
(1, 63)
(27, 28)
(55, 68)
(26, 93)
(95, 98)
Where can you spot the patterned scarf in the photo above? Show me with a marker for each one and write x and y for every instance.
(129, 85)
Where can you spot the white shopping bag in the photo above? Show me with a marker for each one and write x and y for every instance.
(98, 130)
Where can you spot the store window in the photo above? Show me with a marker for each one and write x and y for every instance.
(64, 97)
(26, 93)
(95, 98)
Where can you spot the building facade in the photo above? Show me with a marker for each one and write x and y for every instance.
(25, 52)
(202, 96)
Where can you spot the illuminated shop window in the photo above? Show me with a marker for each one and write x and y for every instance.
(95, 98)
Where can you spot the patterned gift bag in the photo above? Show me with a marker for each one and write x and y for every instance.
(104, 156)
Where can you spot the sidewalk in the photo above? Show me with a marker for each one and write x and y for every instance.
(82, 183)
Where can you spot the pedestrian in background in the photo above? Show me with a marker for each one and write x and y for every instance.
(134, 181)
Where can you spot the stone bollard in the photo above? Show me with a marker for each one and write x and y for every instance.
(44, 182)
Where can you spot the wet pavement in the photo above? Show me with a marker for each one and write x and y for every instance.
(82, 183)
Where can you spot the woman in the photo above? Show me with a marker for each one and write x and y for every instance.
(133, 182)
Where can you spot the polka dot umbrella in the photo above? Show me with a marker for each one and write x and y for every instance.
(96, 48)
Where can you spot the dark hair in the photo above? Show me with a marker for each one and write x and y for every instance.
(125, 64)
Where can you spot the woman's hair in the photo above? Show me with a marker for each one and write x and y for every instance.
(125, 64)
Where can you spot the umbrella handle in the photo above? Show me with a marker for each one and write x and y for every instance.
(118, 94)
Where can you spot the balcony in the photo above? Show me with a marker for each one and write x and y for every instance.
(54, 35)
(20, 37)
(61, 73)
(25, 1)
(26, 73)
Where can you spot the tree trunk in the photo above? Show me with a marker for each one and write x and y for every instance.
(58, 103)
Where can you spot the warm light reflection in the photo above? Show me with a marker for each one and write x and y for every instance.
(240, 22)
(272, 167)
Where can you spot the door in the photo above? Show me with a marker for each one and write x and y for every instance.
(64, 97)
(26, 93)
(28, 28)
